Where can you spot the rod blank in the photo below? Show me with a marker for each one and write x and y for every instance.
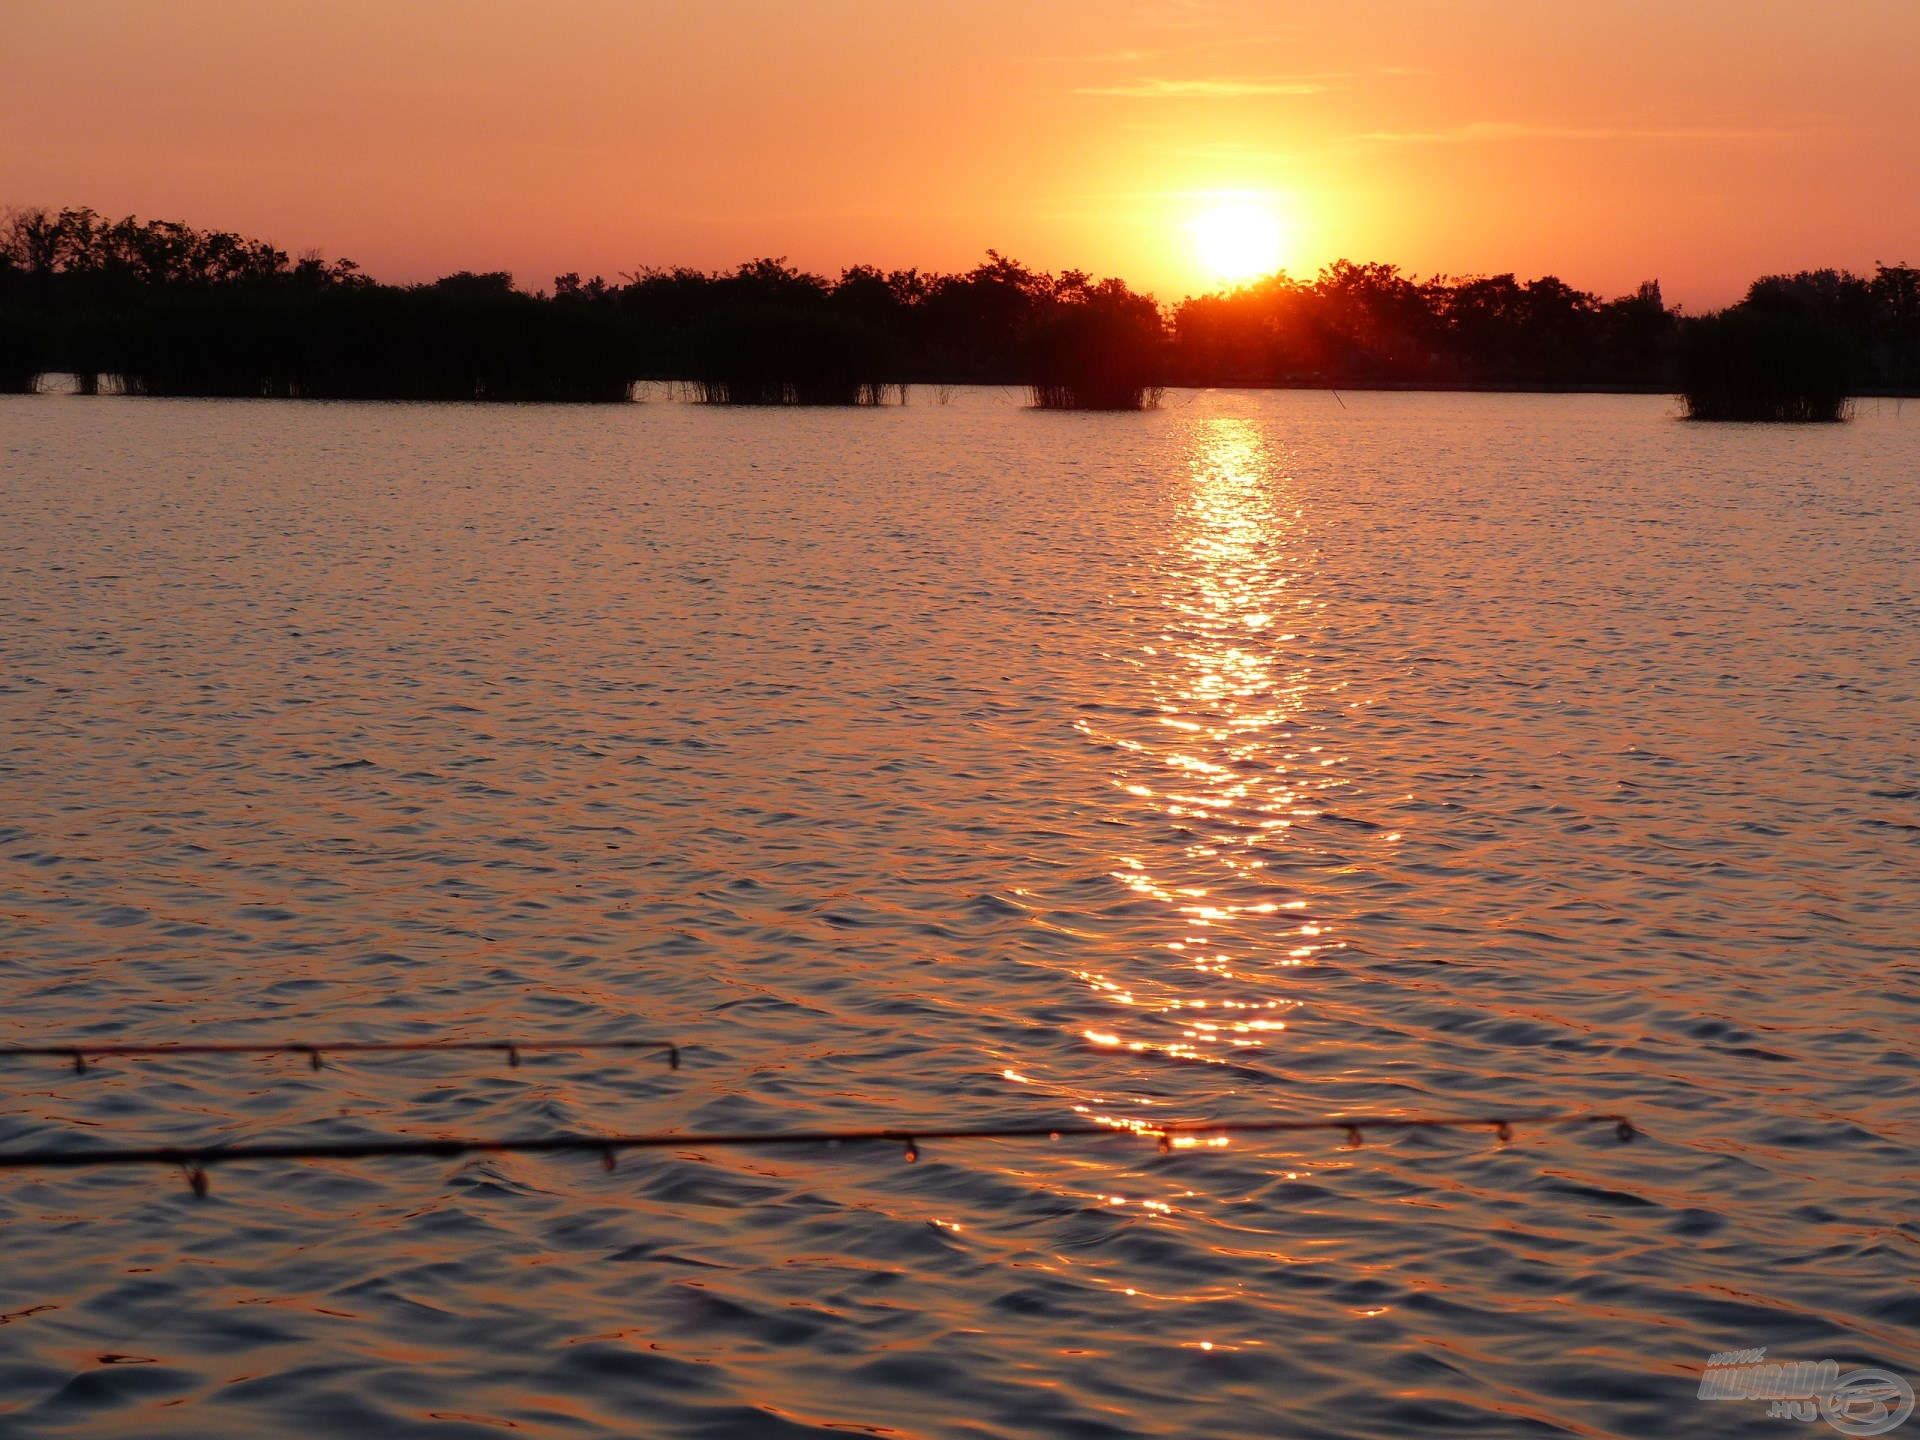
(194, 1160)
(81, 1054)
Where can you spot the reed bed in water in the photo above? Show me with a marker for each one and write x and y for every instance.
(1758, 363)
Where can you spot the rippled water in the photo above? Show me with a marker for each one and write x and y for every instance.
(1255, 757)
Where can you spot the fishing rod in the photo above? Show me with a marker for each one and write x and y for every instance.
(80, 1054)
(194, 1160)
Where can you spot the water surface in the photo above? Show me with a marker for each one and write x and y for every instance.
(960, 764)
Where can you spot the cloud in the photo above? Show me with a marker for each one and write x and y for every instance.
(1487, 131)
(1240, 42)
(1203, 89)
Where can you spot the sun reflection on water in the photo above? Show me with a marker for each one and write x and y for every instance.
(1225, 762)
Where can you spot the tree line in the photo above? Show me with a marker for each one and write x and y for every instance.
(161, 308)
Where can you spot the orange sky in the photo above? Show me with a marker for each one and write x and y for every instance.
(1700, 141)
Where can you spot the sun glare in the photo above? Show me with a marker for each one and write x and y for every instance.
(1237, 240)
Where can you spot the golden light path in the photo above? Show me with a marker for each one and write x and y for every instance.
(1227, 764)
(1215, 759)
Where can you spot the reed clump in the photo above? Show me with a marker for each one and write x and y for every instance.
(790, 355)
(467, 337)
(23, 352)
(1766, 363)
(1101, 350)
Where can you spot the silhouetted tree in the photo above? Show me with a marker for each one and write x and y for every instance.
(1636, 337)
(1894, 355)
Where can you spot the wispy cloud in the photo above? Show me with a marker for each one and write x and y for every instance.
(1231, 151)
(1204, 89)
(1488, 131)
(1240, 42)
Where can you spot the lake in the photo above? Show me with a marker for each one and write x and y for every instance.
(1267, 755)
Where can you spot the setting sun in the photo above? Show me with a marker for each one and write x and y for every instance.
(1237, 240)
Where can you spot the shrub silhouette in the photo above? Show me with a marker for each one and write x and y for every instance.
(1104, 350)
(24, 353)
(789, 355)
(465, 337)
(1765, 362)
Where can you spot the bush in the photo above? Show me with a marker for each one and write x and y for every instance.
(1105, 352)
(1757, 362)
(23, 351)
(790, 355)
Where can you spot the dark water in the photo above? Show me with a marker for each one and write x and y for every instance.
(1256, 757)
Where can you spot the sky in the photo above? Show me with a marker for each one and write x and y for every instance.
(1699, 142)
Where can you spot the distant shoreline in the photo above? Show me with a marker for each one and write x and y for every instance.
(159, 308)
(1485, 387)
(49, 388)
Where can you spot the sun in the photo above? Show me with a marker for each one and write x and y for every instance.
(1237, 240)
